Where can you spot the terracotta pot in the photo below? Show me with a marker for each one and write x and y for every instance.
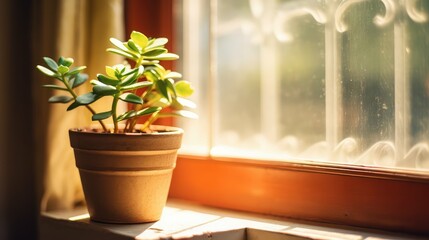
(126, 177)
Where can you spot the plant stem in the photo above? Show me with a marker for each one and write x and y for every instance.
(70, 90)
(149, 122)
(114, 117)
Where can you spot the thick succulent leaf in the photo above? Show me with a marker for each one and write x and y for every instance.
(155, 52)
(158, 42)
(118, 44)
(170, 86)
(139, 38)
(104, 90)
(110, 72)
(101, 116)
(132, 46)
(186, 103)
(126, 54)
(161, 86)
(139, 71)
(126, 115)
(55, 87)
(131, 98)
(60, 99)
(66, 61)
(184, 88)
(74, 105)
(46, 71)
(156, 72)
(147, 111)
(180, 113)
(63, 69)
(107, 80)
(79, 80)
(149, 62)
(136, 85)
(87, 98)
(173, 75)
(51, 63)
(164, 56)
(181, 103)
(76, 70)
(151, 75)
(162, 102)
(130, 79)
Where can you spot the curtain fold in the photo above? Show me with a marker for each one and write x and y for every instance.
(79, 29)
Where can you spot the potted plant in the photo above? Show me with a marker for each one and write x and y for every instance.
(126, 167)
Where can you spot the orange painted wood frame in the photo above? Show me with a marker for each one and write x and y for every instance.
(355, 196)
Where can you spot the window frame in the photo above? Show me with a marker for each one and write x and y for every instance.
(371, 197)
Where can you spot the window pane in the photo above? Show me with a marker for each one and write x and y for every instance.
(319, 80)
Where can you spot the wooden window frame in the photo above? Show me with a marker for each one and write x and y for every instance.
(368, 197)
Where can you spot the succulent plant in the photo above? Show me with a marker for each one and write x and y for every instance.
(142, 82)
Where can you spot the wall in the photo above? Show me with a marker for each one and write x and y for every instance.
(18, 194)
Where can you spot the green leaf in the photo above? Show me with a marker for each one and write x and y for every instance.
(107, 80)
(154, 52)
(63, 69)
(139, 38)
(170, 85)
(173, 75)
(180, 113)
(87, 98)
(165, 56)
(118, 44)
(131, 71)
(101, 116)
(74, 105)
(104, 90)
(126, 115)
(186, 102)
(46, 71)
(137, 85)
(129, 80)
(76, 70)
(66, 61)
(51, 63)
(111, 72)
(133, 46)
(158, 42)
(55, 87)
(184, 88)
(131, 98)
(180, 103)
(79, 80)
(126, 54)
(148, 111)
(149, 62)
(162, 88)
(60, 99)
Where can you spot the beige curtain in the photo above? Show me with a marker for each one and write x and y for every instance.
(79, 29)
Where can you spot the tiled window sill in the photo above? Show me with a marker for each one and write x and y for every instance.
(182, 220)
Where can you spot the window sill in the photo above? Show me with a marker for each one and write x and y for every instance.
(182, 220)
(371, 198)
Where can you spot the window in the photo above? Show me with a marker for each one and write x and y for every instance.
(331, 95)
(338, 81)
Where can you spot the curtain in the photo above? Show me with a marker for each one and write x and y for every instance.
(79, 29)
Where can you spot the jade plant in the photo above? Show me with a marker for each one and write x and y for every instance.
(142, 82)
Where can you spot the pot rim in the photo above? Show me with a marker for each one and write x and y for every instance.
(159, 130)
(90, 140)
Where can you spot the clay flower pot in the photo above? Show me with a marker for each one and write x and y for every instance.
(126, 177)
